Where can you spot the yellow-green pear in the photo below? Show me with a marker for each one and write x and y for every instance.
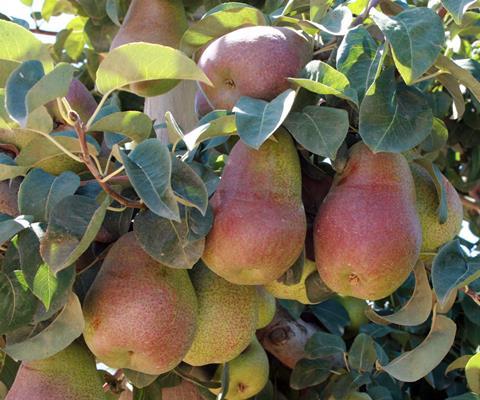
(266, 307)
(298, 291)
(68, 375)
(227, 318)
(248, 373)
(435, 234)
(355, 309)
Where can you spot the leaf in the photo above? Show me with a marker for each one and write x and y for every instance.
(472, 373)
(40, 192)
(225, 381)
(457, 8)
(331, 314)
(356, 59)
(336, 22)
(394, 117)
(188, 186)
(453, 87)
(319, 77)
(451, 269)
(221, 126)
(323, 344)
(257, 119)
(218, 24)
(149, 168)
(307, 373)
(126, 65)
(362, 353)
(63, 330)
(417, 310)
(416, 36)
(9, 227)
(459, 363)
(319, 8)
(72, 226)
(9, 169)
(321, 130)
(172, 247)
(133, 124)
(139, 379)
(417, 363)
(437, 138)
(40, 120)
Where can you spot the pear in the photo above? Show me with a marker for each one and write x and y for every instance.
(202, 107)
(297, 291)
(356, 311)
(184, 391)
(68, 375)
(248, 373)
(435, 234)
(227, 318)
(139, 314)
(367, 233)
(259, 227)
(266, 307)
(254, 61)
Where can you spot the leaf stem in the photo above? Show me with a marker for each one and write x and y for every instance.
(62, 148)
(97, 110)
(114, 173)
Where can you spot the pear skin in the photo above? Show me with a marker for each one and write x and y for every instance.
(266, 307)
(435, 234)
(259, 227)
(367, 233)
(184, 391)
(68, 375)
(227, 318)
(139, 314)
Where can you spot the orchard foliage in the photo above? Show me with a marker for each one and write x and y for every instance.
(401, 76)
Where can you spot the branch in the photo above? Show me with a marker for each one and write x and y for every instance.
(363, 16)
(90, 164)
(471, 205)
(42, 32)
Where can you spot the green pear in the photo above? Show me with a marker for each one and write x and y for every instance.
(184, 391)
(356, 311)
(254, 61)
(367, 233)
(434, 234)
(266, 307)
(139, 314)
(259, 227)
(227, 318)
(68, 375)
(248, 373)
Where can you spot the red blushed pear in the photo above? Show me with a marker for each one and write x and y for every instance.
(254, 61)
(367, 233)
(259, 227)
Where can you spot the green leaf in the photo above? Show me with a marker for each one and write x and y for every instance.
(225, 381)
(332, 315)
(173, 247)
(126, 65)
(319, 8)
(394, 117)
(10, 227)
(472, 373)
(9, 169)
(307, 373)
(218, 24)
(319, 77)
(416, 36)
(437, 138)
(457, 8)
(39, 120)
(357, 59)
(63, 330)
(149, 168)
(323, 344)
(336, 22)
(321, 130)
(413, 365)
(72, 226)
(417, 309)
(40, 192)
(133, 124)
(362, 353)
(453, 87)
(257, 119)
(188, 186)
(221, 126)
(452, 269)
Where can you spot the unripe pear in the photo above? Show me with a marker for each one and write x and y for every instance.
(254, 61)
(356, 311)
(227, 318)
(266, 307)
(367, 232)
(139, 314)
(68, 375)
(259, 226)
(434, 234)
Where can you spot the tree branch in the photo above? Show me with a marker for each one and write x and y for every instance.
(363, 16)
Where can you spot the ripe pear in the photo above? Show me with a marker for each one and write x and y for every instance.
(248, 373)
(227, 318)
(266, 307)
(139, 314)
(254, 61)
(436, 234)
(259, 226)
(68, 375)
(367, 233)
(184, 391)
(298, 291)
(202, 107)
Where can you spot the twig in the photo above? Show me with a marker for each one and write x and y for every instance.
(363, 16)
(472, 205)
(42, 32)
(90, 164)
(119, 179)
